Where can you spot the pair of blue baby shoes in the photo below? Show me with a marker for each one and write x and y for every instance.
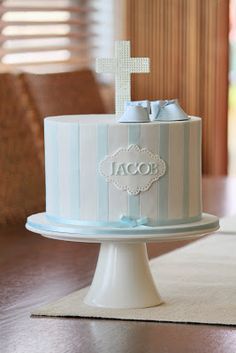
(146, 111)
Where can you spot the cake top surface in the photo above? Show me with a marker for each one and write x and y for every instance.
(105, 119)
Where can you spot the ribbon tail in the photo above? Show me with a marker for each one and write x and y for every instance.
(142, 221)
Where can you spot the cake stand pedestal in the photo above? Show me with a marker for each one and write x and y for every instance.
(122, 277)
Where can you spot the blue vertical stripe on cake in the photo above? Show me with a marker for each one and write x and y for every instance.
(75, 171)
(163, 182)
(52, 164)
(134, 134)
(102, 151)
(134, 200)
(186, 193)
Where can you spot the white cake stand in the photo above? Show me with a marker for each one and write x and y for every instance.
(122, 277)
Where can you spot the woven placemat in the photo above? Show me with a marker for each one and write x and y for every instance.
(196, 282)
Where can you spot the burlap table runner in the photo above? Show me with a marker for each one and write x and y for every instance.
(228, 225)
(196, 282)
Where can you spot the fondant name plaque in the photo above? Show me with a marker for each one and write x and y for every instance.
(133, 169)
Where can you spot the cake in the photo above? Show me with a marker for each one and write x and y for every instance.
(99, 171)
(138, 167)
(123, 180)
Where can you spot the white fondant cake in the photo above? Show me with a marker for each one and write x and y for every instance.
(98, 170)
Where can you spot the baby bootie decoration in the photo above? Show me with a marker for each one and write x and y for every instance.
(135, 114)
(167, 110)
(145, 111)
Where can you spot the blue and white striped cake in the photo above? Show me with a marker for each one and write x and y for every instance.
(99, 171)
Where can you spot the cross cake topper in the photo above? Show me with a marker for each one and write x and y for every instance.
(122, 65)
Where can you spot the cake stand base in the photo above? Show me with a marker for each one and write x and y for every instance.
(122, 278)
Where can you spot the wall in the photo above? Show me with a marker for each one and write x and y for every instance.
(187, 41)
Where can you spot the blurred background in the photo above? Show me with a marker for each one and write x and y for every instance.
(47, 56)
(232, 92)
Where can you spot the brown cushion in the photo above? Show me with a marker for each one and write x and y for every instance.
(25, 100)
(64, 93)
(21, 172)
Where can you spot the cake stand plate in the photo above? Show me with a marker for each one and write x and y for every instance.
(122, 277)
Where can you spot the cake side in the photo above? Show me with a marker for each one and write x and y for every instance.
(77, 191)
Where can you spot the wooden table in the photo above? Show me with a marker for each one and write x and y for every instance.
(36, 270)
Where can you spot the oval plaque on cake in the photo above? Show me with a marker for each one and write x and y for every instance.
(133, 169)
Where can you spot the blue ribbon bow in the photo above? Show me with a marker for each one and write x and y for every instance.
(131, 222)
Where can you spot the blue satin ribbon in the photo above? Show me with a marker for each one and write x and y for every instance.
(124, 222)
(40, 225)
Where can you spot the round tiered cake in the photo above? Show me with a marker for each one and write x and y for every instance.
(103, 173)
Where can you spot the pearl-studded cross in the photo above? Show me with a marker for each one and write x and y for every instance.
(122, 66)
